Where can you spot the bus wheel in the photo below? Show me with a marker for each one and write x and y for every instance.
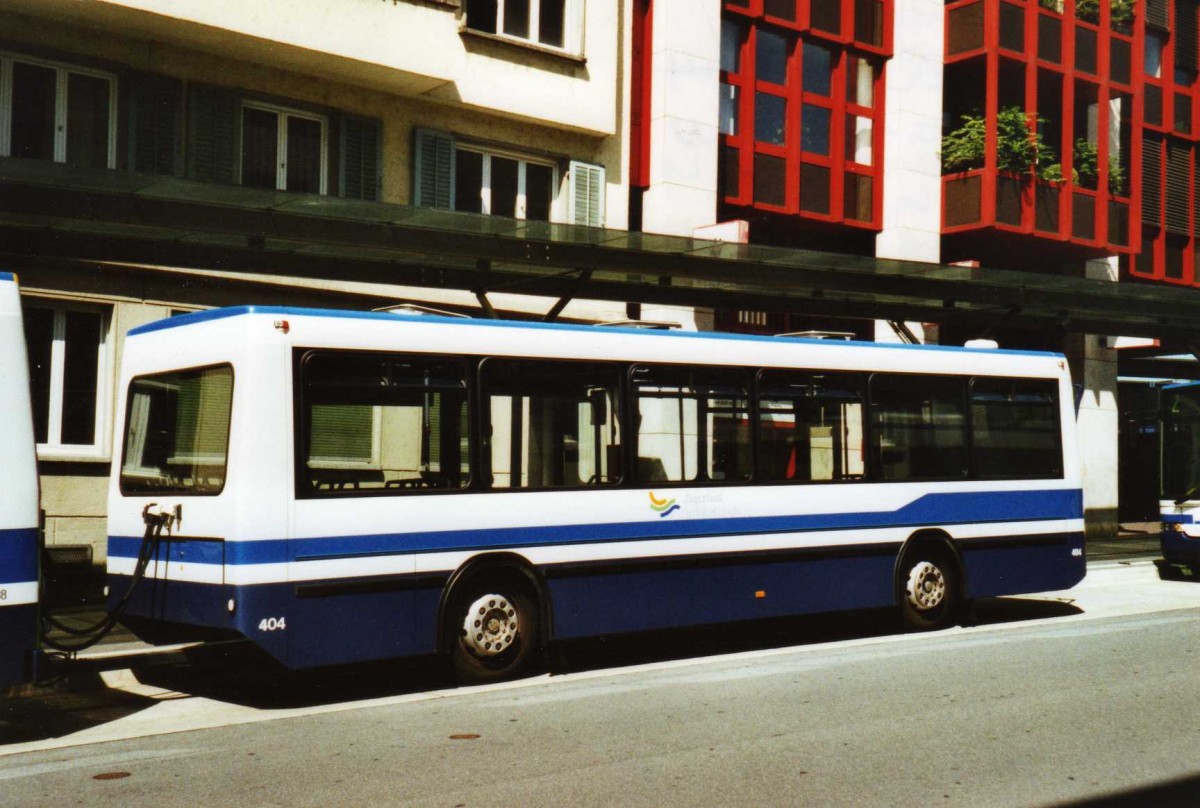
(495, 631)
(928, 587)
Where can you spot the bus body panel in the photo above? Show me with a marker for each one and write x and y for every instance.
(19, 539)
(326, 580)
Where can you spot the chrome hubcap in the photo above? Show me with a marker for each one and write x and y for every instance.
(926, 586)
(490, 626)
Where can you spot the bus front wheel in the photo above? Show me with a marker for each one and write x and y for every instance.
(927, 584)
(494, 626)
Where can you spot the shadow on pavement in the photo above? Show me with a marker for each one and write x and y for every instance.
(64, 707)
(1172, 794)
(241, 674)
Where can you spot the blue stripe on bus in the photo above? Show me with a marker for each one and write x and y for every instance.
(931, 509)
(7, 276)
(349, 314)
(1177, 519)
(18, 555)
(362, 624)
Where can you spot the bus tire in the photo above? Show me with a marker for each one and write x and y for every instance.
(492, 629)
(928, 587)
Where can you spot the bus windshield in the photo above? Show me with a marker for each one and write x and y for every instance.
(1181, 442)
(177, 432)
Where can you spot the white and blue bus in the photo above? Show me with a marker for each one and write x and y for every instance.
(1179, 505)
(347, 486)
(19, 540)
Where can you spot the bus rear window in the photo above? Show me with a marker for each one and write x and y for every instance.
(177, 432)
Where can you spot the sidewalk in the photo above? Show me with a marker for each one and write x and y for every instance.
(1133, 540)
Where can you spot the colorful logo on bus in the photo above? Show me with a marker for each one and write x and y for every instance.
(663, 507)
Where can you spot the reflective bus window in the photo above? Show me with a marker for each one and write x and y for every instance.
(177, 432)
(381, 423)
(1015, 429)
(550, 424)
(919, 427)
(693, 424)
(810, 426)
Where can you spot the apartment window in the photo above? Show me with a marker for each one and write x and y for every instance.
(470, 178)
(503, 185)
(552, 23)
(283, 149)
(1153, 54)
(57, 112)
(68, 373)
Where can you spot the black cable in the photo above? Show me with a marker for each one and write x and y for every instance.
(93, 634)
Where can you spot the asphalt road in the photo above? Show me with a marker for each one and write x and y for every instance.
(1076, 697)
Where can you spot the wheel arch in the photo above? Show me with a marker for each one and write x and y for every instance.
(930, 539)
(487, 564)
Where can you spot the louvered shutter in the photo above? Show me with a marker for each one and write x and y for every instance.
(586, 194)
(1179, 170)
(212, 134)
(1152, 181)
(433, 169)
(359, 160)
(1196, 204)
(154, 104)
(1186, 35)
(1156, 14)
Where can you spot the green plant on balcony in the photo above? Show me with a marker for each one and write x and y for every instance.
(1120, 11)
(1086, 158)
(1019, 149)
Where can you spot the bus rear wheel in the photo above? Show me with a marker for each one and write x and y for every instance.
(494, 630)
(927, 583)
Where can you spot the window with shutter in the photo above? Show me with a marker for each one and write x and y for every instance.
(586, 194)
(433, 169)
(52, 111)
(1179, 159)
(154, 123)
(1152, 181)
(359, 164)
(283, 148)
(212, 134)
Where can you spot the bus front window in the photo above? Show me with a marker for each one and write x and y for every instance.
(177, 432)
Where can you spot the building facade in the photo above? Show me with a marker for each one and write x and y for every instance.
(1053, 136)
(512, 110)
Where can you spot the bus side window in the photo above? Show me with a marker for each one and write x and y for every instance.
(552, 424)
(810, 426)
(693, 424)
(920, 426)
(1015, 428)
(381, 422)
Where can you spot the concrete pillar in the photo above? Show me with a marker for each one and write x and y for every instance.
(912, 191)
(1094, 366)
(685, 79)
(684, 112)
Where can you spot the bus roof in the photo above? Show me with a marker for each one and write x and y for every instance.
(210, 315)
